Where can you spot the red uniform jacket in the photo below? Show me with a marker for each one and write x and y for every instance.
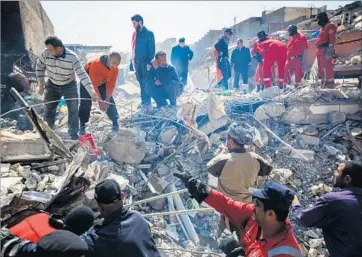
(270, 47)
(100, 74)
(241, 215)
(33, 228)
(297, 44)
(327, 35)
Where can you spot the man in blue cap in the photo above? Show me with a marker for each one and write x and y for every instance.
(123, 232)
(222, 48)
(266, 229)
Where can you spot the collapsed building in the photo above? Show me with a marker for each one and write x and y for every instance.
(303, 133)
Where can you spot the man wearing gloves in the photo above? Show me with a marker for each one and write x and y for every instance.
(297, 46)
(143, 48)
(222, 48)
(338, 214)
(61, 65)
(237, 170)
(266, 229)
(240, 61)
(325, 43)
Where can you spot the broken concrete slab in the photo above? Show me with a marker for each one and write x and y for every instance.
(345, 107)
(212, 126)
(270, 92)
(168, 135)
(130, 90)
(269, 110)
(336, 118)
(302, 115)
(299, 153)
(309, 140)
(127, 147)
(331, 150)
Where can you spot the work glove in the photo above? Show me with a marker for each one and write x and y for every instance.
(329, 52)
(198, 190)
(230, 246)
(257, 57)
(10, 244)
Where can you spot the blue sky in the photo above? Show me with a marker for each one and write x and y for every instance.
(108, 22)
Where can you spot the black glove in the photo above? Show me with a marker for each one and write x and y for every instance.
(237, 252)
(198, 190)
(10, 244)
(228, 243)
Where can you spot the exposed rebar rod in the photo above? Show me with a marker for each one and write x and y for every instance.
(178, 212)
(190, 251)
(155, 198)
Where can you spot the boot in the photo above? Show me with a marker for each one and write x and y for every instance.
(82, 129)
(257, 88)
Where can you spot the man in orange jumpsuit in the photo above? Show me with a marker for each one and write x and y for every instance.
(271, 51)
(297, 45)
(259, 70)
(325, 43)
(266, 229)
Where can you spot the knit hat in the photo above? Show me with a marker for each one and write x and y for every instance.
(79, 220)
(240, 134)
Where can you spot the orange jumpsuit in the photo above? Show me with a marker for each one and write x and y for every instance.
(272, 50)
(218, 71)
(327, 36)
(297, 44)
(259, 69)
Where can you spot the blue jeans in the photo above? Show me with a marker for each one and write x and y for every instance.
(142, 78)
(54, 93)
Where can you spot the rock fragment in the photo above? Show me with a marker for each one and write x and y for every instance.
(299, 153)
(309, 140)
(336, 118)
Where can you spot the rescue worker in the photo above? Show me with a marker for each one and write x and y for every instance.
(325, 43)
(240, 61)
(143, 51)
(266, 229)
(259, 70)
(297, 46)
(237, 170)
(271, 51)
(103, 72)
(124, 232)
(222, 48)
(338, 214)
(20, 83)
(163, 83)
(33, 228)
(181, 55)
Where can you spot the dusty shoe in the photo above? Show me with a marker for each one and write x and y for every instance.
(82, 130)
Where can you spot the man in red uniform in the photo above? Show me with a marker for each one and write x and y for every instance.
(259, 70)
(297, 45)
(266, 229)
(325, 44)
(271, 51)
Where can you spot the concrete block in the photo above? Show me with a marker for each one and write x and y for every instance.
(309, 140)
(296, 154)
(336, 118)
(302, 115)
(345, 107)
(269, 110)
(212, 126)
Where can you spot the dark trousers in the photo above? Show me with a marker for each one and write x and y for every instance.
(244, 73)
(55, 93)
(182, 74)
(161, 93)
(142, 77)
(86, 106)
(224, 66)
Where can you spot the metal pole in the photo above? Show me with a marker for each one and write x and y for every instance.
(178, 212)
(156, 197)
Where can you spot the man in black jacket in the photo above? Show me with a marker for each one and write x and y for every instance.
(163, 82)
(181, 55)
(123, 232)
(222, 48)
(144, 51)
(240, 60)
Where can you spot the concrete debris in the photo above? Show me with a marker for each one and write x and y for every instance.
(320, 189)
(309, 140)
(336, 118)
(127, 147)
(302, 115)
(168, 135)
(331, 150)
(269, 110)
(299, 153)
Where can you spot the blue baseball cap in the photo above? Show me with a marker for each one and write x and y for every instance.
(108, 191)
(275, 194)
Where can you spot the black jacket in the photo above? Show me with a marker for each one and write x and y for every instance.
(222, 46)
(166, 75)
(126, 233)
(240, 58)
(145, 46)
(180, 57)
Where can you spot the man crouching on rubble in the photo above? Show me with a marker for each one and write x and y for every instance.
(338, 214)
(163, 82)
(44, 235)
(124, 232)
(266, 229)
(103, 72)
(237, 170)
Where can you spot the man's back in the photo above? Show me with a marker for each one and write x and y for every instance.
(125, 234)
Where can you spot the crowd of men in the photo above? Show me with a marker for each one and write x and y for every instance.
(290, 58)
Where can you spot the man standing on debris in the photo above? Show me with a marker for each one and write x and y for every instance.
(271, 51)
(266, 229)
(181, 55)
(338, 214)
(297, 46)
(163, 82)
(325, 43)
(240, 60)
(222, 48)
(237, 170)
(103, 72)
(123, 232)
(143, 46)
(61, 65)
(259, 70)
